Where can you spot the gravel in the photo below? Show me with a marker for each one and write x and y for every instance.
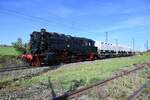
(35, 92)
(12, 75)
(40, 91)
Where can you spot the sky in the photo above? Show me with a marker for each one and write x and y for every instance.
(124, 20)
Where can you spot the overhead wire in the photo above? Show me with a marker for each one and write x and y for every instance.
(7, 11)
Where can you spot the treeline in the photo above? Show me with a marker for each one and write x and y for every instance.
(5, 45)
(20, 46)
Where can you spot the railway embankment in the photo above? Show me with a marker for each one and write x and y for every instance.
(77, 75)
(132, 86)
(8, 57)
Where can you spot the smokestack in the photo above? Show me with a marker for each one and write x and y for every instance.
(43, 30)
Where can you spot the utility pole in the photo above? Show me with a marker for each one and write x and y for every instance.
(116, 45)
(106, 37)
(147, 45)
(133, 44)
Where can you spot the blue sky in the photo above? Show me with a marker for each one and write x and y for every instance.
(122, 19)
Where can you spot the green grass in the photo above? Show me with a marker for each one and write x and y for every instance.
(122, 88)
(88, 72)
(1, 65)
(9, 51)
(6, 54)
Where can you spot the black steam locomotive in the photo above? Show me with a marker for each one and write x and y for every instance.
(52, 47)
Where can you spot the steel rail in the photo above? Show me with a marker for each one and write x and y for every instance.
(71, 95)
(14, 68)
(137, 92)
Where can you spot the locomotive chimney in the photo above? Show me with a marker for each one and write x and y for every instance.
(43, 30)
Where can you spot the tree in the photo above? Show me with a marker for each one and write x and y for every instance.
(20, 46)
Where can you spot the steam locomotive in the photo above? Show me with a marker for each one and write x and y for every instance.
(51, 48)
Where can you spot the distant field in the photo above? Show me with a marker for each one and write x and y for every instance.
(8, 51)
(87, 72)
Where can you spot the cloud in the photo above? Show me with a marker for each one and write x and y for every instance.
(128, 23)
(131, 23)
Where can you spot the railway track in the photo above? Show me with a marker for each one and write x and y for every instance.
(7, 69)
(35, 71)
(77, 93)
(137, 93)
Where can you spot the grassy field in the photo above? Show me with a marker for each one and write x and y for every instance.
(85, 73)
(124, 87)
(9, 51)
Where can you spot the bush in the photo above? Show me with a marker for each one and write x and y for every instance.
(20, 46)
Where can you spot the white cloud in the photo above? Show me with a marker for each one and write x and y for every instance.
(128, 23)
(131, 23)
